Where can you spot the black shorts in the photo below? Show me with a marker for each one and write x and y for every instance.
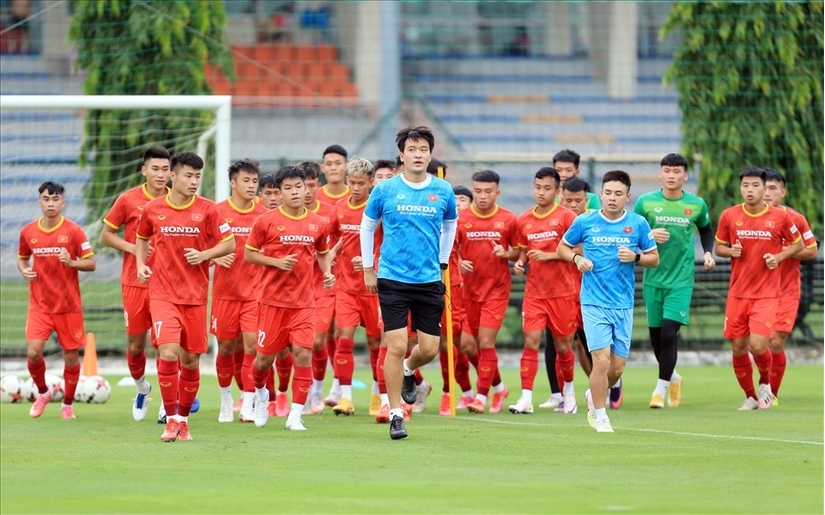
(423, 302)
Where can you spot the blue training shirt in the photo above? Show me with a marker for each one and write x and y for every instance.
(411, 219)
(611, 283)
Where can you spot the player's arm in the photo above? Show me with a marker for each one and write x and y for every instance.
(83, 264)
(141, 255)
(724, 249)
(325, 263)
(706, 238)
(447, 240)
(772, 260)
(367, 235)
(256, 257)
(566, 253)
(518, 266)
(808, 253)
(23, 264)
(222, 248)
(109, 237)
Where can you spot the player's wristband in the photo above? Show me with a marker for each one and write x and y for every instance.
(638, 258)
(574, 259)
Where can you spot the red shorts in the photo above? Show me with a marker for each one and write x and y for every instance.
(559, 314)
(179, 323)
(456, 303)
(232, 317)
(324, 313)
(352, 310)
(136, 309)
(786, 314)
(279, 327)
(488, 314)
(749, 316)
(68, 326)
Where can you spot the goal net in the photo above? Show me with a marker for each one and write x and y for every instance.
(42, 140)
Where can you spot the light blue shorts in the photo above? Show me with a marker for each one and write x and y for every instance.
(608, 327)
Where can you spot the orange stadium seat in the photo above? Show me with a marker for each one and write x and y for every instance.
(325, 53)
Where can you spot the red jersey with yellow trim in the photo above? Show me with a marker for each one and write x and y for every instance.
(239, 281)
(477, 235)
(764, 232)
(56, 289)
(277, 234)
(456, 277)
(552, 278)
(789, 272)
(331, 227)
(173, 229)
(125, 212)
(349, 217)
(326, 197)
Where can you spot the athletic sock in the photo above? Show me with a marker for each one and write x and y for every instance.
(529, 368)
(566, 363)
(487, 360)
(238, 372)
(225, 368)
(344, 364)
(190, 380)
(462, 372)
(71, 375)
(270, 382)
(661, 387)
(38, 373)
(284, 368)
(778, 364)
(346, 391)
(743, 369)
(763, 364)
(419, 378)
(248, 380)
(301, 380)
(527, 394)
(319, 364)
(226, 393)
(374, 363)
(407, 370)
(382, 385)
(601, 414)
(385, 399)
(168, 380)
(136, 364)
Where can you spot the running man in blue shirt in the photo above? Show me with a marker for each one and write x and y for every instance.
(613, 241)
(418, 215)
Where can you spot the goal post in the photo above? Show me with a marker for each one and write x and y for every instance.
(221, 104)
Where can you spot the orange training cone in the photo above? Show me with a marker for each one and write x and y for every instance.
(89, 357)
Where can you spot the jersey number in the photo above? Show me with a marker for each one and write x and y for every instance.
(157, 329)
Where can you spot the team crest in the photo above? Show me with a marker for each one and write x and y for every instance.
(340, 215)
(739, 224)
(528, 226)
(62, 239)
(228, 220)
(770, 224)
(281, 227)
(468, 226)
(33, 241)
(197, 217)
(627, 230)
(161, 217)
(658, 209)
(498, 225)
(140, 208)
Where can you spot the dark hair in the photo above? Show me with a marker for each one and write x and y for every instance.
(398, 162)
(567, 156)
(463, 190)
(674, 160)
(335, 149)
(618, 176)
(415, 134)
(753, 171)
(186, 159)
(774, 175)
(245, 165)
(312, 170)
(155, 153)
(432, 168)
(267, 181)
(384, 163)
(547, 171)
(486, 176)
(289, 172)
(54, 188)
(575, 184)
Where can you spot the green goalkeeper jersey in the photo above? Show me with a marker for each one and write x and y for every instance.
(676, 256)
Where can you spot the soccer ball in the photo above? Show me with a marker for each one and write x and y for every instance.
(94, 389)
(79, 387)
(30, 391)
(56, 387)
(11, 390)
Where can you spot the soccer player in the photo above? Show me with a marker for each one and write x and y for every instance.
(672, 213)
(550, 293)
(179, 225)
(566, 163)
(270, 195)
(125, 213)
(334, 169)
(757, 238)
(790, 279)
(235, 282)
(487, 236)
(323, 346)
(463, 197)
(52, 251)
(354, 304)
(418, 214)
(384, 169)
(286, 242)
(613, 240)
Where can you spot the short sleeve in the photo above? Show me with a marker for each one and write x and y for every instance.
(593, 201)
(521, 234)
(257, 235)
(452, 207)
(144, 229)
(790, 232)
(375, 202)
(703, 220)
(219, 229)
(574, 234)
(646, 241)
(83, 247)
(639, 208)
(723, 231)
(24, 251)
(514, 233)
(807, 235)
(116, 216)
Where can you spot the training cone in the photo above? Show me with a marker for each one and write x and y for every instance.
(89, 368)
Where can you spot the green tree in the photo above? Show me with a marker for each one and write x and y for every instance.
(132, 47)
(749, 78)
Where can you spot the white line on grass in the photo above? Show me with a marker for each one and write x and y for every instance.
(640, 430)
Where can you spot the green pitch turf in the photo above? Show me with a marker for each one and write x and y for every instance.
(704, 457)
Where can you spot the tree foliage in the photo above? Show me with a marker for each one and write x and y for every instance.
(749, 77)
(132, 47)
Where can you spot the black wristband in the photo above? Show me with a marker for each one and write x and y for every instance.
(573, 259)
(443, 266)
(638, 258)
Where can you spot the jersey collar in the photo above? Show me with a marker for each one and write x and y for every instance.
(239, 210)
(754, 215)
(492, 214)
(335, 197)
(300, 217)
(56, 227)
(180, 208)
(545, 215)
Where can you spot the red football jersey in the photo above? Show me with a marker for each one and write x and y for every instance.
(239, 281)
(331, 227)
(765, 232)
(173, 229)
(553, 278)
(324, 196)
(56, 289)
(277, 234)
(125, 212)
(478, 235)
(349, 223)
(789, 272)
(456, 278)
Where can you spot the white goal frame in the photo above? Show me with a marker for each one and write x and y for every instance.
(220, 104)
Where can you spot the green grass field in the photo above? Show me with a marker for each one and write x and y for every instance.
(704, 457)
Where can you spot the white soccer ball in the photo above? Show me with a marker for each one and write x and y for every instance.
(95, 390)
(56, 387)
(30, 391)
(11, 390)
(80, 381)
